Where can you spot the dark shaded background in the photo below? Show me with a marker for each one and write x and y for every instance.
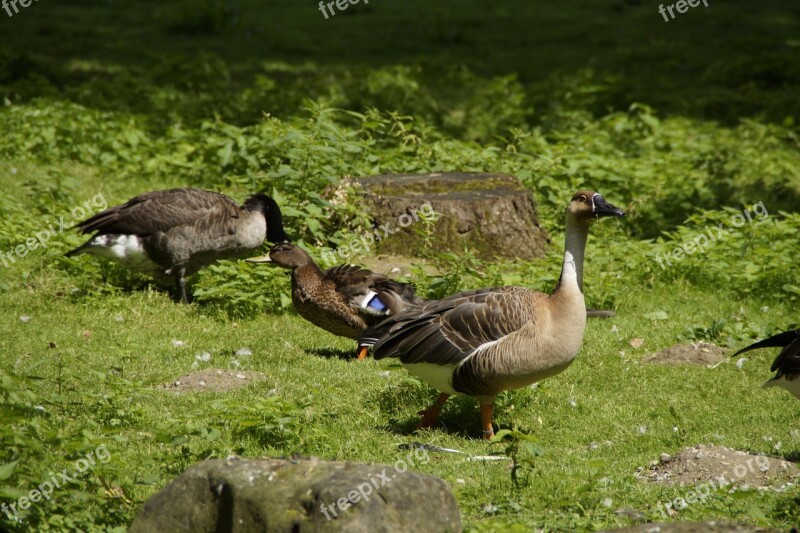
(195, 58)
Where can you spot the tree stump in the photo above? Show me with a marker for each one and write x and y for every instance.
(491, 214)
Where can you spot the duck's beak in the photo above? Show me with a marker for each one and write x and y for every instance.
(259, 259)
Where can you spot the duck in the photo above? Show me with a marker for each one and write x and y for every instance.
(172, 234)
(343, 300)
(485, 341)
(787, 364)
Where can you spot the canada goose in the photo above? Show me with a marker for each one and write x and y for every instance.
(174, 233)
(485, 341)
(787, 364)
(343, 300)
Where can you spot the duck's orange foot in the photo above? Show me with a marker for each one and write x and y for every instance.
(362, 352)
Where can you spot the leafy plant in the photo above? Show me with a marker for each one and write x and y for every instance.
(522, 449)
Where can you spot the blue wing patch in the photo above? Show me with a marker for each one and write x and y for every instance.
(376, 304)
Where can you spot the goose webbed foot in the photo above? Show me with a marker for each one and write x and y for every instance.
(431, 414)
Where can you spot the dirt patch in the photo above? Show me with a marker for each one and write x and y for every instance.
(702, 353)
(721, 467)
(212, 380)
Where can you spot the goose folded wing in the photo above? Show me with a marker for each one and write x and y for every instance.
(446, 332)
(788, 362)
(160, 211)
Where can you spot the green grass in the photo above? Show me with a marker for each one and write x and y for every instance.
(112, 351)
(683, 124)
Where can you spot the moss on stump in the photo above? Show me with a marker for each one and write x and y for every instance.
(491, 214)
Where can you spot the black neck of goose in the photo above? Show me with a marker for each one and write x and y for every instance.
(272, 214)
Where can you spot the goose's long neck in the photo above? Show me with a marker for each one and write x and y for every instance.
(574, 248)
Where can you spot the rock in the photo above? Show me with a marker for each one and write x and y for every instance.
(492, 214)
(298, 495)
(693, 527)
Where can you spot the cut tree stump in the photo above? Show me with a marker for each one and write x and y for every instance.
(493, 215)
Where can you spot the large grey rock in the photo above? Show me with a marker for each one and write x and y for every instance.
(299, 495)
(692, 527)
(492, 214)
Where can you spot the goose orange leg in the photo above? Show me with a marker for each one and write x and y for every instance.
(431, 414)
(486, 420)
(362, 352)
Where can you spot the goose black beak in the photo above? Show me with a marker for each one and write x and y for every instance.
(604, 209)
(259, 259)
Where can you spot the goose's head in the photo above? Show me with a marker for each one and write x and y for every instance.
(588, 205)
(285, 255)
(268, 207)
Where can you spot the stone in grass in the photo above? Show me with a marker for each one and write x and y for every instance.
(492, 214)
(288, 495)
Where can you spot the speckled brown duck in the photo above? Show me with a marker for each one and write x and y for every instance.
(343, 300)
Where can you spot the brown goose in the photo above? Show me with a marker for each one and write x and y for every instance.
(787, 364)
(174, 233)
(485, 341)
(343, 300)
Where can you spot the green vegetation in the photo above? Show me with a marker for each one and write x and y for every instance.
(685, 124)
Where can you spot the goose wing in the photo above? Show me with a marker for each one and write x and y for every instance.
(448, 331)
(374, 293)
(788, 361)
(160, 211)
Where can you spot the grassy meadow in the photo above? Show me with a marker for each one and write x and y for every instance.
(688, 125)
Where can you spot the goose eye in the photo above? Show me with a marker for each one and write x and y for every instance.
(583, 198)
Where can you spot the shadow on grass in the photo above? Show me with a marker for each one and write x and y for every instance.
(460, 418)
(332, 353)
